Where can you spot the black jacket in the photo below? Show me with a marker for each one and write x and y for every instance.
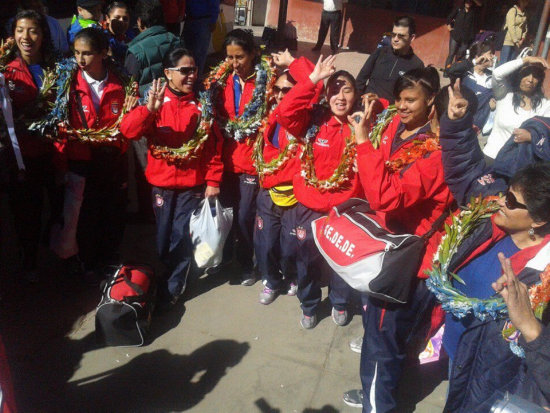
(464, 24)
(382, 69)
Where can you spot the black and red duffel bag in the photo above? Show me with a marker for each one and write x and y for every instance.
(123, 316)
(366, 255)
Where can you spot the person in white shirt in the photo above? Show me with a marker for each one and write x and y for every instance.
(331, 17)
(517, 87)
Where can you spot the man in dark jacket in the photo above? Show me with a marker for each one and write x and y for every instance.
(147, 50)
(386, 64)
(462, 25)
(144, 62)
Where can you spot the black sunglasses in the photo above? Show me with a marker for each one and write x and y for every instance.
(184, 70)
(511, 202)
(400, 36)
(277, 89)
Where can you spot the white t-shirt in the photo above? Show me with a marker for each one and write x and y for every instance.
(97, 87)
(332, 5)
(507, 119)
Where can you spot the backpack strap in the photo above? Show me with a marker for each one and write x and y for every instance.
(438, 222)
(80, 110)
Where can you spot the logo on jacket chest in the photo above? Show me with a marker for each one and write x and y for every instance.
(115, 107)
(301, 233)
(384, 140)
(322, 142)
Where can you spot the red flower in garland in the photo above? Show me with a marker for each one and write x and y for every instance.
(425, 144)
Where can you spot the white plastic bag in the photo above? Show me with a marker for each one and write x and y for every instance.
(209, 232)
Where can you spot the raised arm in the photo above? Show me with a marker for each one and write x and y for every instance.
(294, 111)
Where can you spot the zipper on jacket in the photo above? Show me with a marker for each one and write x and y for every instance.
(394, 64)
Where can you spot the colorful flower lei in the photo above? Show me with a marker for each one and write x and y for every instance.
(440, 277)
(276, 164)
(382, 121)
(190, 149)
(58, 119)
(426, 143)
(248, 124)
(342, 174)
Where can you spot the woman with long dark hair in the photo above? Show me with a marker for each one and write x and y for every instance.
(33, 56)
(517, 86)
(403, 180)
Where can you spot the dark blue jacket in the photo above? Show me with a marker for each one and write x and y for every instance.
(483, 362)
(513, 156)
(198, 9)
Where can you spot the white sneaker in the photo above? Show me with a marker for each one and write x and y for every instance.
(356, 344)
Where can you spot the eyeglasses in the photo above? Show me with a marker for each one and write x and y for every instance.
(511, 202)
(400, 36)
(277, 90)
(184, 70)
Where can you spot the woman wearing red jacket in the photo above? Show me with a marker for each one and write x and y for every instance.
(404, 181)
(96, 182)
(327, 178)
(170, 120)
(277, 160)
(240, 180)
(24, 75)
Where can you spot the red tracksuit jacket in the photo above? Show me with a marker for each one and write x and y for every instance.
(171, 126)
(300, 69)
(327, 149)
(23, 92)
(110, 106)
(237, 157)
(411, 199)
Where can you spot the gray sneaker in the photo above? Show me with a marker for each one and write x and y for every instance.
(292, 289)
(308, 322)
(354, 398)
(248, 278)
(267, 296)
(340, 318)
(356, 344)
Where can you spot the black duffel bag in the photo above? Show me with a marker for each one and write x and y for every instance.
(123, 316)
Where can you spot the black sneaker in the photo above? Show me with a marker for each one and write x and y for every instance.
(354, 398)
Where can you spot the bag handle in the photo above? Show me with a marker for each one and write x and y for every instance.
(360, 205)
(438, 222)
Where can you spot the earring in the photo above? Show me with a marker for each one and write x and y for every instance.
(532, 234)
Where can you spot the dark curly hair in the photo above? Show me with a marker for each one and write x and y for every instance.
(49, 55)
(533, 182)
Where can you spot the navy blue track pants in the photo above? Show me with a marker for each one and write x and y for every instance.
(274, 241)
(389, 328)
(310, 267)
(239, 191)
(173, 209)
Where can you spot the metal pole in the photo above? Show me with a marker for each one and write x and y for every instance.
(542, 27)
(546, 45)
(283, 6)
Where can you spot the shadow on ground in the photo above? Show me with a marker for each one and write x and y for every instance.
(264, 407)
(156, 382)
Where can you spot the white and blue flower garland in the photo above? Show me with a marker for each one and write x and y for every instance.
(248, 124)
(440, 277)
(57, 119)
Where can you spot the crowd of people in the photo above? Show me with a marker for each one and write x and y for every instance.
(283, 140)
